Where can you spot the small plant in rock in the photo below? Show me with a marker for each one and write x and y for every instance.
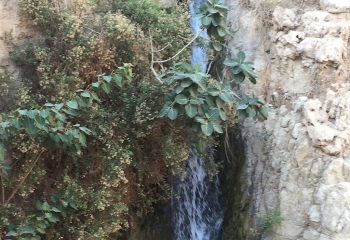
(267, 222)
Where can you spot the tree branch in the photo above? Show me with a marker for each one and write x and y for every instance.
(25, 177)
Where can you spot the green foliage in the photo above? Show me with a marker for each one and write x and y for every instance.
(197, 97)
(45, 216)
(86, 124)
(267, 222)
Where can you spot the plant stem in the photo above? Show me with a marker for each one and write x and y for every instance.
(25, 177)
(2, 191)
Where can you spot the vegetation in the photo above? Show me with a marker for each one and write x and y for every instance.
(267, 222)
(85, 152)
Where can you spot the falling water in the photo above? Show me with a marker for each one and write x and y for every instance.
(197, 213)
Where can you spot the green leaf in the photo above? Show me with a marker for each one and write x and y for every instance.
(73, 205)
(241, 56)
(39, 120)
(95, 96)
(236, 69)
(72, 112)
(217, 46)
(241, 105)
(2, 152)
(216, 19)
(214, 91)
(106, 87)
(41, 230)
(196, 77)
(251, 112)
(56, 209)
(59, 106)
(206, 20)
(22, 112)
(164, 111)
(73, 104)
(107, 78)
(118, 79)
(172, 113)
(186, 83)
(210, 101)
(82, 138)
(264, 111)
(181, 99)
(16, 123)
(45, 206)
(226, 96)
(207, 128)
(61, 116)
(83, 102)
(238, 78)
(39, 205)
(200, 120)
(196, 101)
(26, 229)
(213, 114)
(179, 89)
(95, 84)
(85, 130)
(45, 113)
(221, 31)
(191, 110)
(31, 113)
(219, 102)
(85, 94)
(222, 114)
(231, 63)
(11, 233)
(253, 101)
(217, 127)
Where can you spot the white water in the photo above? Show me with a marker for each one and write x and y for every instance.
(196, 210)
(197, 214)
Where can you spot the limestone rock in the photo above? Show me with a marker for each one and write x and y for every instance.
(284, 19)
(335, 6)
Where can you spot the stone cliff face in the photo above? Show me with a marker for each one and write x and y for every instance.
(298, 160)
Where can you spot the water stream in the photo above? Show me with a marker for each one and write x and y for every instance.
(196, 210)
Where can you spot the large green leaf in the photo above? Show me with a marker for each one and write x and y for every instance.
(217, 46)
(221, 31)
(241, 105)
(241, 56)
(231, 63)
(214, 91)
(107, 78)
(210, 101)
(186, 83)
(45, 207)
(238, 78)
(179, 89)
(222, 114)
(251, 112)
(181, 99)
(196, 101)
(213, 114)
(191, 110)
(207, 128)
(206, 20)
(164, 111)
(217, 127)
(172, 113)
(264, 111)
(118, 79)
(82, 138)
(45, 112)
(106, 87)
(73, 104)
(226, 96)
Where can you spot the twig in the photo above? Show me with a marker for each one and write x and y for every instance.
(2, 190)
(188, 44)
(25, 177)
(152, 60)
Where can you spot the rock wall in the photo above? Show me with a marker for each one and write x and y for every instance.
(298, 160)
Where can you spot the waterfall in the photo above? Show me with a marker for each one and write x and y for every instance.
(196, 211)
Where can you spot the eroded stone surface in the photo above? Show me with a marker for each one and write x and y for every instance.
(302, 166)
